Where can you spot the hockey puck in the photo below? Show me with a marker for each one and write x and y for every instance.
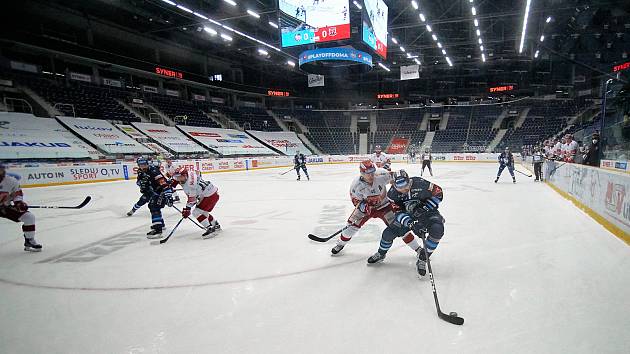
(454, 314)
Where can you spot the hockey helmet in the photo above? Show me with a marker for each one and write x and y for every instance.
(402, 180)
(141, 161)
(378, 149)
(367, 167)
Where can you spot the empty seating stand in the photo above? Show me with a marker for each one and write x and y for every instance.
(177, 109)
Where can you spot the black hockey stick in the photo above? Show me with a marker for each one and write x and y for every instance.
(285, 172)
(165, 240)
(555, 168)
(83, 203)
(451, 317)
(325, 239)
(523, 173)
(192, 220)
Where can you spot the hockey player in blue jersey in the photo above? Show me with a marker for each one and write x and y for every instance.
(506, 159)
(146, 190)
(158, 192)
(415, 202)
(299, 160)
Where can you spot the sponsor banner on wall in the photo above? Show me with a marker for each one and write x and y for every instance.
(286, 142)
(410, 72)
(24, 136)
(157, 149)
(227, 141)
(17, 65)
(605, 192)
(50, 174)
(104, 135)
(173, 93)
(110, 82)
(617, 165)
(199, 97)
(80, 77)
(315, 80)
(169, 137)
(398, 146)
(131, 131)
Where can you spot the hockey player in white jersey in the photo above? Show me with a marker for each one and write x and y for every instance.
(169, 172)
(202, 196)
(368, 193)
(381, 160)
(13, 207)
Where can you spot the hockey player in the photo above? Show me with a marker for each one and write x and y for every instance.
(299, 160)
(159, 192)
(169, 171)
(506, 159)
(202, 195)
(146, 190)
(571, 149)
(426, 162)
(380, 160)
(368, 193)
(537, 159)
(13, 207)
(415, 202)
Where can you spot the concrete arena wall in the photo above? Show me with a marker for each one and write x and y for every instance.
(41, 175)
(599, 192)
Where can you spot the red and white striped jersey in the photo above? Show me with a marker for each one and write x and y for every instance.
(10, 191)
(196, 188)
(380, 160)
(374, 194)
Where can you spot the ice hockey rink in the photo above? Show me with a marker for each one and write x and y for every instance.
(528, 271)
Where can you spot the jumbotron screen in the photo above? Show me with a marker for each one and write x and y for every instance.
(313, 21)
(375, 25)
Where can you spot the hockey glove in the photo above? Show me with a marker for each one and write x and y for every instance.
(168, 196)
(186, 212)
(418, 228)
(20, 206)
(431, 204)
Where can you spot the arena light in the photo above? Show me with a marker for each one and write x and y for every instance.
(394, 40)
(253, 14)
(414, 3)
(434, 37)
(476, 23)
(478, 33)
(439, 45)
(542, 38)
(226, 37)
(273, 24)
(411, 56)
(480, 41)
(231, 2)
(263, 52)
(210, 31)
(429, 28)
(417, 61)
(481, 48)
(291, 63)
(357, 5)
(548, 19)
(443, 51)
(422, 18)
(170, 2)
(470, 1)
(200, 15)
(383, 66)
(184, 9)
(483, 57)
(536, 54)
(524, 31)
(448, 60)
(474, 11)
(402, 49)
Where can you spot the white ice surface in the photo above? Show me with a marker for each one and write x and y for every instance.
(528, 271)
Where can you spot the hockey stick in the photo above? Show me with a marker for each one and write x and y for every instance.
(83, 203)
(325, 239)
(192, 220)
(285, 172)
(164, 240)
(555, 168)
(523, 173)
(451, 317)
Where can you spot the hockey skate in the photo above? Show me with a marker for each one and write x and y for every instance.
(31, 245)
(513, 180)
(154, 233)
(336, 249)
(496, 180)
(421, 263)
(377, 257)
(131, 212)
(211, 231)
(298, 178)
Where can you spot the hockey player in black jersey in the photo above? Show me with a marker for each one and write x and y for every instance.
(415, 202)
(145, 189)
(158, 192)
(506, 159)
(299, 160)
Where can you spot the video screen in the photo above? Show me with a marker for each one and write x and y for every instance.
(375, 25)
(313, 21)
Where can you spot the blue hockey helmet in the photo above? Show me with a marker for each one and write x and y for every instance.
(401, 180)
(141, 161)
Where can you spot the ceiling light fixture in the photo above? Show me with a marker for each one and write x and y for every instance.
(383, 66)
(414, 3)
(253, 14)
(524, 31)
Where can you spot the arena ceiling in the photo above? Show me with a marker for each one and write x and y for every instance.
(592, 35)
